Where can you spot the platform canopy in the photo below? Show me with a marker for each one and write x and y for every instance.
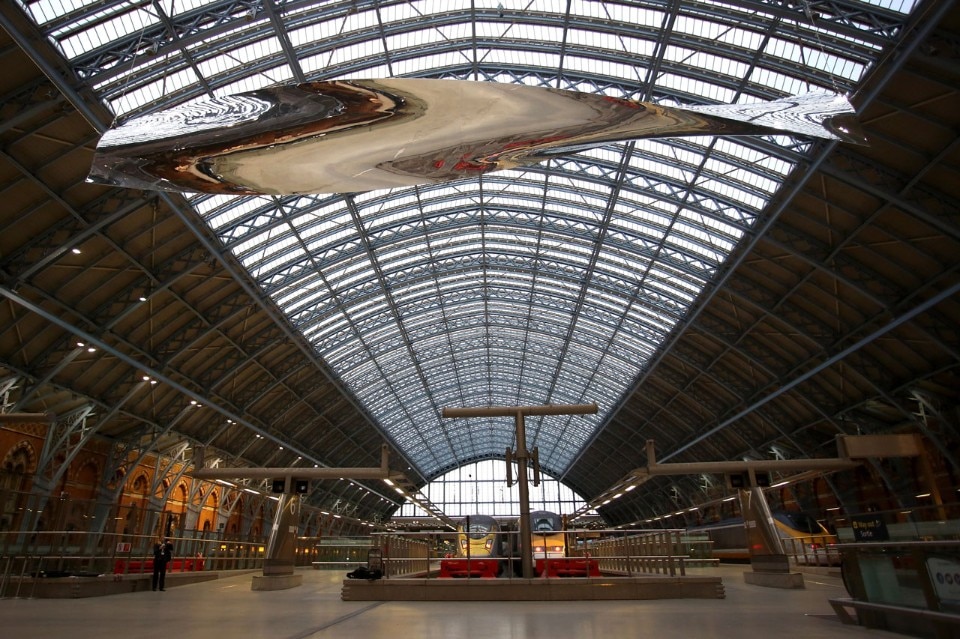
(604, 276)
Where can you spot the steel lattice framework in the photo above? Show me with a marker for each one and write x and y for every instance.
(584, 279)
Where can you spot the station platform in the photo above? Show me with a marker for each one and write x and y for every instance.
(228, 607)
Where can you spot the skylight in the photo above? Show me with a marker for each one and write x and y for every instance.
(553, 284)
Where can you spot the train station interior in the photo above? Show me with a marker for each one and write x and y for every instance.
(590, 384)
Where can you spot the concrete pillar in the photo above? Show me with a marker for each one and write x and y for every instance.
(278, 565)
(769, 564)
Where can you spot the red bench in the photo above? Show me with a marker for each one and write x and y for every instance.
(460, 568)
(145, 566)
(567, 567)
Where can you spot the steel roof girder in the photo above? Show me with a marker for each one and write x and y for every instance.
(842, 11)
(921, 200)
(187, 29)
(733, 379)
(28, 102)
(522, 263)
(245, 228)
(599, 342)
(835, 264)
(78, 226)
(776, 305)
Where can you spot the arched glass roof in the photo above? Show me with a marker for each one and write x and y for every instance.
(554, 284)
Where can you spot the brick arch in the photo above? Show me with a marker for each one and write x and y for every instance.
(16, 471)
(86, 477)
(209, 509)
(21, 456)
(139, 485)
(119, 476)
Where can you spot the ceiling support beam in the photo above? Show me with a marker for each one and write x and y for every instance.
(382, 472)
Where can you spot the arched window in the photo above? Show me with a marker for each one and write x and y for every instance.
(481, 489)
(14, 477)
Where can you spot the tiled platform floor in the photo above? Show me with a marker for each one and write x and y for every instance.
(228, 609)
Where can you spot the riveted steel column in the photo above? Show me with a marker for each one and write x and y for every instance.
(526, 541)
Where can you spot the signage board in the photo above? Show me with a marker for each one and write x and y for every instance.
(869, 528)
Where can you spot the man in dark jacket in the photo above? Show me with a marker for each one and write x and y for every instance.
(162, 554)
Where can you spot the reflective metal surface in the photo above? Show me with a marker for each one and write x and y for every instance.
(361, 135)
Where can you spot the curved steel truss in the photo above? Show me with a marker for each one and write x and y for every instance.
(613, 275)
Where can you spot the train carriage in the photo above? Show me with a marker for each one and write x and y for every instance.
(548, 538)
(803, 537)
(479, 536)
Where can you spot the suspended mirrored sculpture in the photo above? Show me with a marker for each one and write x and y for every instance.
(360, 135)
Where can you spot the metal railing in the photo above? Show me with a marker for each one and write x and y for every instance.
(624, 553)
(48, 554)
(638, 552)
(812, 550)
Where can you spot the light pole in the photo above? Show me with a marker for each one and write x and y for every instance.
(521, 455)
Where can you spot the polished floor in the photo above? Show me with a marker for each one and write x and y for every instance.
(227, 608)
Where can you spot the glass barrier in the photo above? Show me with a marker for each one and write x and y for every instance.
(907, 587)
(920, 523)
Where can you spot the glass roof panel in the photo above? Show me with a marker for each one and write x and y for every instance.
(105, 30)
(550, 284)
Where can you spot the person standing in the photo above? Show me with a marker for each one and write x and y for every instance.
(162, 554)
